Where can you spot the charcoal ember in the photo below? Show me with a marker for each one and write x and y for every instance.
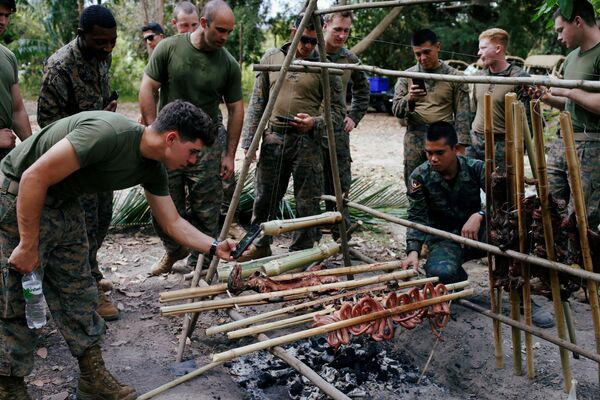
(265, 380)
(295, 388)
(412, 377)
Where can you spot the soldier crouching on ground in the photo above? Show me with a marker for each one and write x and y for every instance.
(42, 226)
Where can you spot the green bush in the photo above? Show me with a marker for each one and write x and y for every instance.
(126, 71)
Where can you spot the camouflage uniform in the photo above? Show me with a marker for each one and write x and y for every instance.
(436, 203)
(286, 151)
(445, 101)
(586, 127)
(71, 84)
(358, 108)
(9, 76)
(477, 148)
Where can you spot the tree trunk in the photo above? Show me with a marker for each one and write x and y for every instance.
(160, 12)
(80, 6)
(144, 6)
(376, 32)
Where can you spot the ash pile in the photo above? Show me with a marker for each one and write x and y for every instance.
(364, 369)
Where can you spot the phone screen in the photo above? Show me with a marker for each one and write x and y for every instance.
(246, 241)
(420, 83)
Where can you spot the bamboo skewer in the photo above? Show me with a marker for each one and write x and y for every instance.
(582, 225)
(500, 80)
(495, 294)
(181, 294)
(519, 197)
(187, 319)
(512, 125)
(284, 323)
(549, 241)
(231, 354)
(542, 262)
(201, 305)
(213, 330)
(278, 227)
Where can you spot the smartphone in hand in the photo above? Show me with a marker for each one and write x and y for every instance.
(113, 96)
(246, 241)
(285, 119)
(420, 83)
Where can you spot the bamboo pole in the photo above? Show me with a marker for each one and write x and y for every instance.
(564, 344)
(278, 265)
(542, 262)
(377, 4)
(213, 330)
(495, 294)
(187, 318)
(520, 196)
(362, 257)
(570, 326)
(278, 227)
(549, 241)
(200, 305)
(295, 68)
(234, 353)
(284, 323)
(332, 147)
(582, 225)
(529, 145)
(512, 125)
(212, 290)
(499, 80)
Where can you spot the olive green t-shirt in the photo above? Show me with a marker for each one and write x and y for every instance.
(583, 65)
(8, 77)
(108, 147)
(201, 77)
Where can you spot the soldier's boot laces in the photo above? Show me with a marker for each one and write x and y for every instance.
(107, 310)
(165, 264)
(13, 388)
(96, 382)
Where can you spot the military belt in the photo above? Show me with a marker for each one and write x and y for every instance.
(283, 130)
(11, 186)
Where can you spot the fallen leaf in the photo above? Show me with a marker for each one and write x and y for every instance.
(58, 396)
(42, 352)
(38, 383)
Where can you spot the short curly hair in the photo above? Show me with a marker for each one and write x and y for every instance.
(190, 121)
(96, 15)
(10, 4)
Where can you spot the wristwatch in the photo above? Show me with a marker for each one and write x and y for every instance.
(481, 212)
(213, 248)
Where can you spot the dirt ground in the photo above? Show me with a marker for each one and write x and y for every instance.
(141, 346)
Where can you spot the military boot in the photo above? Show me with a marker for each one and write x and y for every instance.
(165, 264)
(13, 388)
(96, 382)
(107, 310)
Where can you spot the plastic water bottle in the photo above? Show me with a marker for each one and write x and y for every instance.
(35, 306)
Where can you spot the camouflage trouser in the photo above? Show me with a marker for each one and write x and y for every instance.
(446, 258)
(414, 149)
(98, 213)
(69, 288)
(342, 144)
(588, 153)
(477, 149)
(197, 192)
(282, 156)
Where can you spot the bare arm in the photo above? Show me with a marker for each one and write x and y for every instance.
(54, 166)
(184, 233)
(588, 100)
(148, 99)
(20, 119)
(235, 120)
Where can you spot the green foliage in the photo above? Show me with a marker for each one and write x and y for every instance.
(547, 8)
(126, 71)
(249, 17)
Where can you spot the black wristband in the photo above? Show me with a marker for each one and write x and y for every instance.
(482, 213)
(213, 248)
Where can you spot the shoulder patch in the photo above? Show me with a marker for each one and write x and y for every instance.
(415, 185)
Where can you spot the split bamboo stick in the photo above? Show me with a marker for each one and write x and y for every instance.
(490, 167)
(187, 318)
(519, 198)
(542, 262)
(284, 323)
(512, 125)
(221, 288)
(234, 353)
(378, 4)
(213, 330)
(201, 305)
(582, 225)
(278, 227)
(532, 330)
(549, 241)
(499, 80)
(529, 145)
(362, 257)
